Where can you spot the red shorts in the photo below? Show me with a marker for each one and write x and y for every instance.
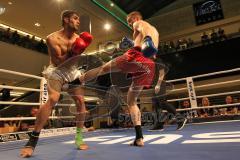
(141, 68)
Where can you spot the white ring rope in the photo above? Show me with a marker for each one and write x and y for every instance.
(32, 104)
(205, 75)
(33, 118)
(20, 88)
(207, 85)
(214, 106)
(208, 95)
(20, 74)
(215, 84)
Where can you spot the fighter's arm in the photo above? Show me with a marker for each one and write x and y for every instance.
(54, 50)
(140, 27)
(160, 79)
(148, 47)
(161, 76)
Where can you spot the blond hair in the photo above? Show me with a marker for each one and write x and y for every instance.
(135, 13)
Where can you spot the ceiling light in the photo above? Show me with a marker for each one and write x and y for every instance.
(112, 4)
(107, 26)
(59, 0)
(37, 24)
(10, 3)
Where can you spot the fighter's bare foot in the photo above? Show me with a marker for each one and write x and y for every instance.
(138, 143)
(26, 152)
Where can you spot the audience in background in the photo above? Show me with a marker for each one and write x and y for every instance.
(205, 39)
(221, 34)
(5, 96)
(29, 124)
(185, 104)
(165, 47)
(14, 37)
(204, 112)
(214, 36)
(233, 109)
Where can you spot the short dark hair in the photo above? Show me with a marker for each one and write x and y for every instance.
(67, 14)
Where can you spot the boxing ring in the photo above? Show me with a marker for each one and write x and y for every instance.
(207, 140)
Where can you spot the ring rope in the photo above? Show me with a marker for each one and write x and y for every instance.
(20, 74)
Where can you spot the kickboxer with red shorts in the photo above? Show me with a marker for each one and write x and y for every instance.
(135, 61)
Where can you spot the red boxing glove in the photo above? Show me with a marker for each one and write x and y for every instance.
(78, 46)
(87, 37)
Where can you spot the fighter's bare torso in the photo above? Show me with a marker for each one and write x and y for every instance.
(139, 34)
(59, 46)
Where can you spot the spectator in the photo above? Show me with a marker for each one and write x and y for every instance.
(29, 124)
(221, 34)
(26, 42)
(185, 44)
(165, 47)
(207, 112)
(190, 42)
(1, 34)
(34, 43)
(6, 35)
(223, 111)
(15, 38)
(230, 110)
(41, 46)
(144, 109)
(214, 36)
(185, 104)
(6, 95)
(182, 44)
(205, 39)
(172, 46)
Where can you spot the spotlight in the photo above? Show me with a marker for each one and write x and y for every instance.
(107, 26)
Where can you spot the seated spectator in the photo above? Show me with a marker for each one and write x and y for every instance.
(34, 43)
(15, 38)
(6, 95)
(182, 44)
(165, 47)
(25, 42)
(7, 35)
(1, 122)
(185, 43)
(206, 112)
(41, 46)
(1, 35)
(214, 36)
(238, 106)
(223, 111)
(144, 109)
(190, 42)
(205, 39)
(172, 46)
(29, 124)
(160, 48)
(185, 104)
(235, 100)
(230, 110)
(221, 34)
